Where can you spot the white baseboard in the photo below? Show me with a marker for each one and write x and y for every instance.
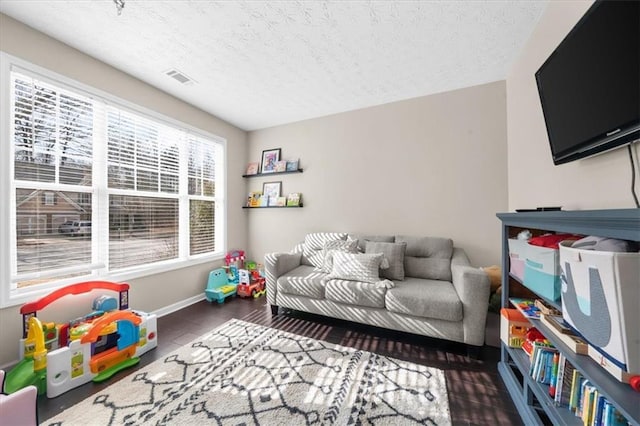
(178, 305)
(8, 366)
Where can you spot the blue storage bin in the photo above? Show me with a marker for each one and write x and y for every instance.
(546, 285)
(542, 272)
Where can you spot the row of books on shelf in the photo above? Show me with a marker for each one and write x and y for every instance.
(570, 389)
(257, 199)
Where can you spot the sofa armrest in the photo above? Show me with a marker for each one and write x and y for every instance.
(473, 288)
(459, 257)
(276, 265)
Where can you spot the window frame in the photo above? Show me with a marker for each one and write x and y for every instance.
(10, 296)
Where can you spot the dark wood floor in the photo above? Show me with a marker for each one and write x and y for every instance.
(477, 395)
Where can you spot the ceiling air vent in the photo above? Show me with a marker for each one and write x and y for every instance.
(180, 77)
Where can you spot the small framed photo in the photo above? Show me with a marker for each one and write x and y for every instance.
(252, 168)
(293, 199)
(271, 189)
(281, 166)
(292, 165)
(282, 201)
(269, 159)
(254, 199)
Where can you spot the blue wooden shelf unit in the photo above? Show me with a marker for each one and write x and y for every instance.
(531, 398)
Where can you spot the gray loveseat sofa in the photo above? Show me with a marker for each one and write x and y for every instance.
(428, 289)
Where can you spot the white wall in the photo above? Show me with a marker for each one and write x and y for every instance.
(600, 182)
(158, 291)
(430, 166)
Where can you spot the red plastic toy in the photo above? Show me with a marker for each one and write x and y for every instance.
(254, 285)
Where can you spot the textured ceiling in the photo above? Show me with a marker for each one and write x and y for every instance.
(259, 64)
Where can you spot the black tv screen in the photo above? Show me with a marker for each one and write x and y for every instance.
(590, 85)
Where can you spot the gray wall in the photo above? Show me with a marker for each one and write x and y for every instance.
(158, 291)
(431, 166)
(599, 182)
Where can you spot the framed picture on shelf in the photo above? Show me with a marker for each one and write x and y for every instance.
(269, 159)
(293, 199)
(281, 202)
(292, 165)
(254, 199)
(281, 166)
(252, 168)
(271, 189)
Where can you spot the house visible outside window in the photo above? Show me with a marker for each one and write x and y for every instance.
(100, 189)
(49, 198)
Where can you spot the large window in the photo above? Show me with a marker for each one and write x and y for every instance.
(98, 189)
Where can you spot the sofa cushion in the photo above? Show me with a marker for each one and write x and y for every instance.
(394, 253)
(425, 298)
(427, 257)
(355, 293)
(347, 246)
(313, 251)
(303, 281)
(362, 239)
(356, 266)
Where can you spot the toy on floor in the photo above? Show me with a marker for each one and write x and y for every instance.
(234, 261)
(251, 283)
(60, 357)
(219, 287)
(19, 408)
(232, 273)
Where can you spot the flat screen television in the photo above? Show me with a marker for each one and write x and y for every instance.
(590, 85)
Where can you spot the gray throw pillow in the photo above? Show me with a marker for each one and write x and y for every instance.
(356, 266)
(349, 246)
(427, 257)
(313, 251)
(394, 253)
(362, 239)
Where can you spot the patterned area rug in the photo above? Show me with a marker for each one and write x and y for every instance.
(246, 374)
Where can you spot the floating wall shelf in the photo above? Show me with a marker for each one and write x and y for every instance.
(272, 174)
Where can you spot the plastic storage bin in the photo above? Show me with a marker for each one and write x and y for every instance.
(601, 299)
(513, 327)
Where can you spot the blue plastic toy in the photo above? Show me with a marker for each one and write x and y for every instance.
(232, 273)
(218, 286)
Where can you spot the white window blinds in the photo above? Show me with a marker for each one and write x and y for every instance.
(203, 177)
(143, 156)
(98, 188)
(52, 142)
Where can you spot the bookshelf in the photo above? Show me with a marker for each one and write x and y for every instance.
(532, 399)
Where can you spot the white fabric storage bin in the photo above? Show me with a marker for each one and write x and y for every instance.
(600, 299)
(517, 256)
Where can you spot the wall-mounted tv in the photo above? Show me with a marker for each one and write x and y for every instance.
(590, 85)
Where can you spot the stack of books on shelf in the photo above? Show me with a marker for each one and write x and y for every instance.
(568, 388)
(592, 407)
(544, 360)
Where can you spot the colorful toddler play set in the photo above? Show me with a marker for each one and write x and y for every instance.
(234, 278)
(60, 357)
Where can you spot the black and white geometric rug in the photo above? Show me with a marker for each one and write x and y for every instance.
(246, 374)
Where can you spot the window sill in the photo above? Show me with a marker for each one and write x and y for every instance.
(22, 296)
